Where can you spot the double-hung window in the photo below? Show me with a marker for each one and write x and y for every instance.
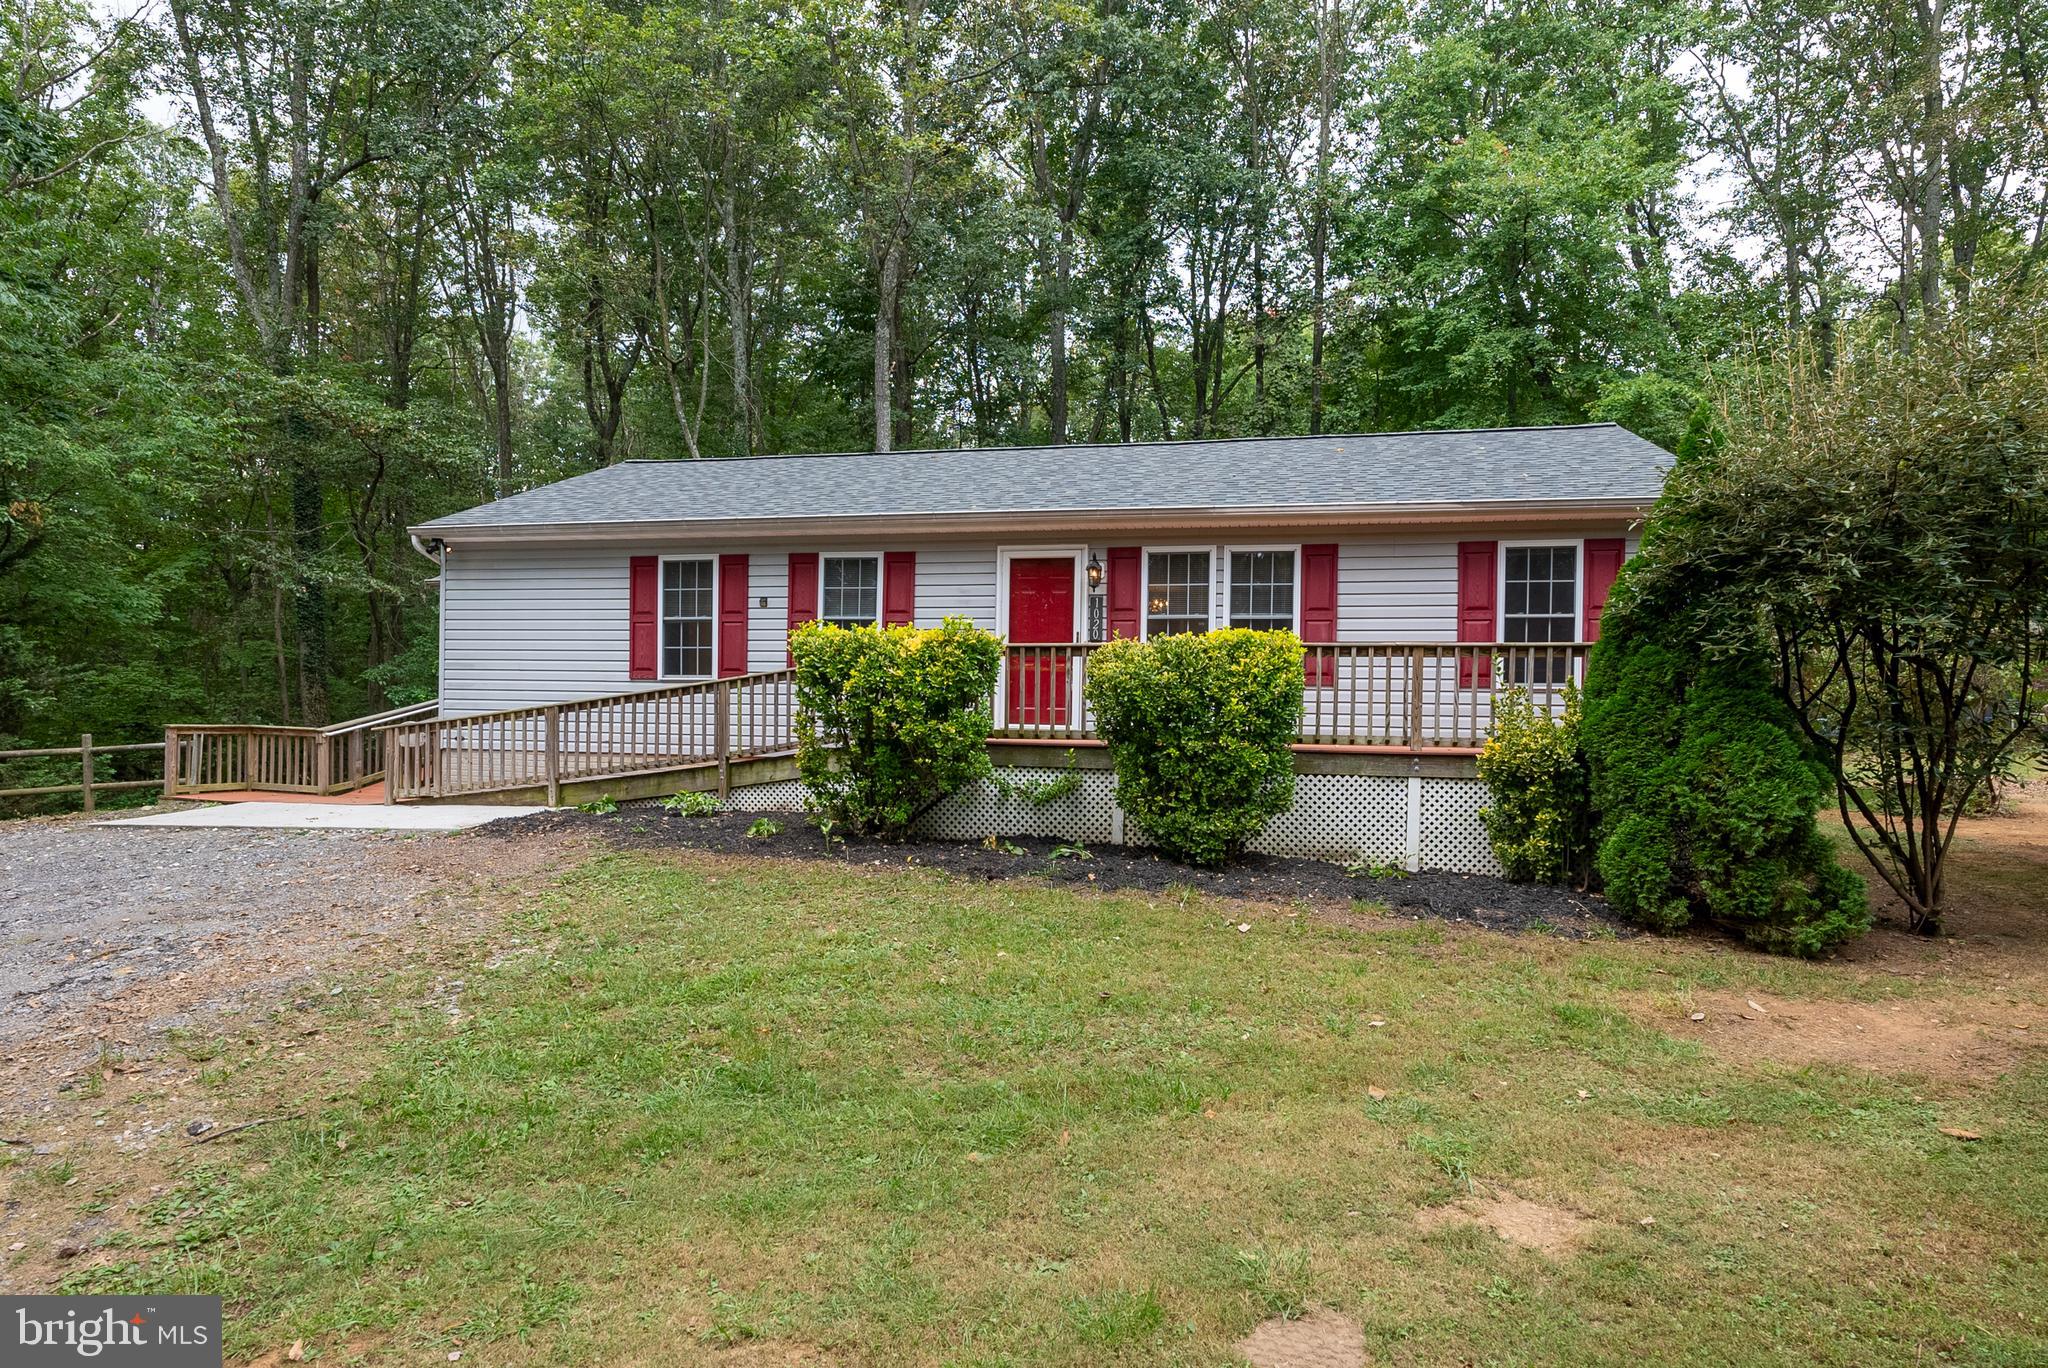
(1262, 590)
(1177, 590)
(686, 619)
(1540, 603)
(851, 590)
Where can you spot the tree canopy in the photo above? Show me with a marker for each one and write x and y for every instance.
(279, 279)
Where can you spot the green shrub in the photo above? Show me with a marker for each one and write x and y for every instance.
(1199, 728)
(691, 803)
(1704, 795)
(1536, 777)
(890, 720)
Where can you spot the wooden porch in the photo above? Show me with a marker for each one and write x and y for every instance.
(224, 763)
(1368, 698)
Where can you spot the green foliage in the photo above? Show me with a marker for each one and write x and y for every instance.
(691, 803)
(1653, 407)
(890, 720)
(1199, 727)
(601, 806)
(763, 828)
(1883, 519)
(1040, 792)
(1537, 821)
(1704, 795)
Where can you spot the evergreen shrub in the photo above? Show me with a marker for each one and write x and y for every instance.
(1199, 727)
(1536, 777)
(1704, 794)
(890, 720)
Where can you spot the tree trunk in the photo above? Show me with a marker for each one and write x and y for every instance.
(890, 283)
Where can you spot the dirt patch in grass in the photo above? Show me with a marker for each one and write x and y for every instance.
(1318, 1338)
(1479, 899)
(1532, 1225)
(1969, 1040)
(1995, 929)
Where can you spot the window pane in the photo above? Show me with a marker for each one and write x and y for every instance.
(1540, 603)
(686, 617)
(1262, 590)
(1178, 598)
(852, 591)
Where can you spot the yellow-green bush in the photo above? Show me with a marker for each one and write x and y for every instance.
(890, 720)
(1536, 820)
(1199, 727)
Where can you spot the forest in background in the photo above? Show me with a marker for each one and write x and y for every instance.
(280, 277)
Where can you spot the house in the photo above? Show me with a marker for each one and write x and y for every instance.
(1426, 570)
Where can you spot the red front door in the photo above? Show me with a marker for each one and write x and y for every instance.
(1041, 615)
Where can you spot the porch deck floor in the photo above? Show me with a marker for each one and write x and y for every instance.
(373, 793)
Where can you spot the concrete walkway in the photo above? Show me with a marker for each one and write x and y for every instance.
(332, 816)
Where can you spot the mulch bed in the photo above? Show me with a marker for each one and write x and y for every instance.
(1472, 898)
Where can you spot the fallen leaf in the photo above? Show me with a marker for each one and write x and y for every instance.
(1754, 1008)
(1376, 1094)
(1647, 1221)
(1244, 926)
(1583, 1094)
(1955, 1134)
(297, 1353)
(1699, 1016)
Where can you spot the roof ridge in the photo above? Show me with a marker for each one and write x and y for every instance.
(1111, 446)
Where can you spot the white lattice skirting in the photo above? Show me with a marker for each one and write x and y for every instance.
(1417, 822)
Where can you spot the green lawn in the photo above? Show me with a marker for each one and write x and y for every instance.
(783, 1110)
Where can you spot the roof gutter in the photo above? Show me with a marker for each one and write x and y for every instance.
(1490, 513)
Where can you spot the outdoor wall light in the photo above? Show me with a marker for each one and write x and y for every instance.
(1094, 573)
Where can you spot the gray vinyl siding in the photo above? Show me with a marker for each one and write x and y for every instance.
(1397, 589)
(956, 581)
(525, 627)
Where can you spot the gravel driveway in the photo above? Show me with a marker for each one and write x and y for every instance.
(109, 936)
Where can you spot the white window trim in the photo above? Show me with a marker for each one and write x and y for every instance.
(661, 618)
(1219, 580)
(1223, 575)
(1145, 555)
(881, 586)
(1500, 587)
(1006, 554)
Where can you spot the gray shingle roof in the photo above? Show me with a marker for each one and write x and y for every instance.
(1591, 462)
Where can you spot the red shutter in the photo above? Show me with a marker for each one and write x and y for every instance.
(1319, 611)
(1126, 586)
(1603, 562)
(1478, 573)
(732, 615)
(643, 592)
(803, 590)
(899, 588)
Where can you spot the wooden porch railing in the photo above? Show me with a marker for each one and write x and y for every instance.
(320, 760)
(1405, 695)
(1421, 696)
(713, 722)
